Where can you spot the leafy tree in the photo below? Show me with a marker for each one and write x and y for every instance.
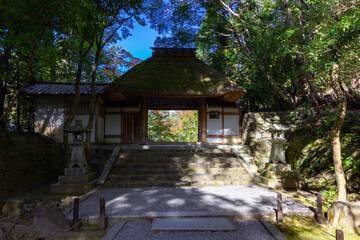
(173, 126)
(285, 53)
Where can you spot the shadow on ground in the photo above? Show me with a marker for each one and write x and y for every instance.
(247, 200)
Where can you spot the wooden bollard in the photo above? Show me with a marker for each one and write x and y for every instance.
(76, 213)
(102, 214)
(279, 213)
(339, 234)
(319, 211)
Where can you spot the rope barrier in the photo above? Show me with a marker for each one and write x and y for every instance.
(77, 224)
(306, 220)
(89, 203)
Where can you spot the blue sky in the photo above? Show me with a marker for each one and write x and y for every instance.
(140, 42)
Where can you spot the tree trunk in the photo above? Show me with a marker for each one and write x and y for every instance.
(335, 135)
(93, 102)
(71, 116)
(72, 113)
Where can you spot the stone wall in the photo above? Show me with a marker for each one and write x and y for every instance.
(255, 135)
(28, 160)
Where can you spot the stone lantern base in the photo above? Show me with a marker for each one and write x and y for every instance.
(280, 175)
(75, 180)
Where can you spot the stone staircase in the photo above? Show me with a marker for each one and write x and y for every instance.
(146, 166)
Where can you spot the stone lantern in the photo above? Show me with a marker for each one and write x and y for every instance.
(78, 158)
(277, 140)
(78, 177)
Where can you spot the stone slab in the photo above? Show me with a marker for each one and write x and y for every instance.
(84, 178)
(108, 166)
(73, 187)
(272, 229)
(278, 174)
(114, 230)
(286, 183)
(192, 224)
(77, 171)
(278, 167)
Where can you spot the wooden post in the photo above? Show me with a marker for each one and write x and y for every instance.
(76, 213)
(102, 214)
(144, 121)
(202, 121)
(339, 234)
(279, 213)
(319, 212)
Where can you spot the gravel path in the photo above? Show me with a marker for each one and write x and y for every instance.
(245, 230)
(243, 199)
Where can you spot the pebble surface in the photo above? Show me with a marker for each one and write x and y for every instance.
(242, 199)
(245, 230)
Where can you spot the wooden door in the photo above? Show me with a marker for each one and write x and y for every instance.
(131, 128)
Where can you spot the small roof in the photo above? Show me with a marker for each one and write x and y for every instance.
(66, 88)
(175, 71)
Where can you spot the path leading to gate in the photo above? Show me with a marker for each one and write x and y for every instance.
(243, 200)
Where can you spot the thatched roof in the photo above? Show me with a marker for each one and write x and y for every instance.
(174, 72)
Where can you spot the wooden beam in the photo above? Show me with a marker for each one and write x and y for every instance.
(233, 96)
(144, 120)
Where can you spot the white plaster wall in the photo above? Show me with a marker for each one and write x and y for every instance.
(231, 125)
(49, 116)
(231, 110)
(214, 140)
(112, 124)
(214, 126)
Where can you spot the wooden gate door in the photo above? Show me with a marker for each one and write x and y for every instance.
(131, 128)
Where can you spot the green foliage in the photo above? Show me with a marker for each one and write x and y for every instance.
(281, 52)
(173, 126)
(50, 40)
(330, 196)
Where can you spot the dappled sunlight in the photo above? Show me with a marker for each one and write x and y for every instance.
(244, 200)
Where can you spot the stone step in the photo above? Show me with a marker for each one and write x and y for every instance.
(179, 150)
(141, 155)
(177, 165)
(178, 177)
(287, 183)
(278, 174)
(175, 184)
(278, 167)
(83, 178)
(176, 160)
(178, 171)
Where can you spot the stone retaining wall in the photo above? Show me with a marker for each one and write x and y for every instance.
(255, 135)
(27, 161)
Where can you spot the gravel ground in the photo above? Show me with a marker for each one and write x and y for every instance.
(245, 230)
(243, 199)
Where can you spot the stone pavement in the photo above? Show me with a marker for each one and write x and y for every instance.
(133, 203)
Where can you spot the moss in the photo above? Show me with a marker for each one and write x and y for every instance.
(310, 150)
(174, 75)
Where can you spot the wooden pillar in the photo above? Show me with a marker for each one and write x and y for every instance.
(202, 126)
(144, 120)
